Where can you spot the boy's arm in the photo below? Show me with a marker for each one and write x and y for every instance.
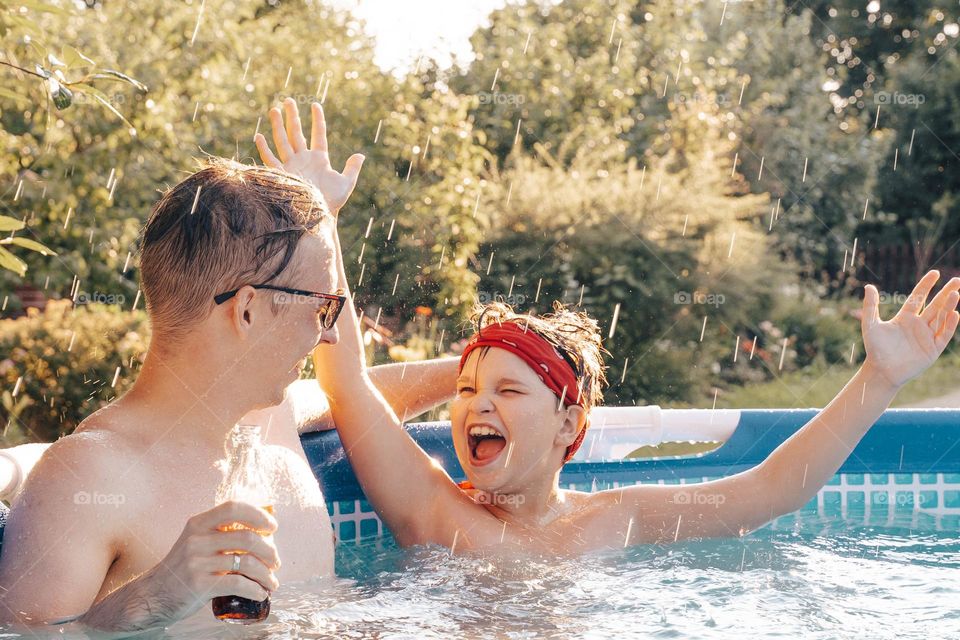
(409, 388)
(897, 351)
(784, 482)
(401, 481)
(415, 387)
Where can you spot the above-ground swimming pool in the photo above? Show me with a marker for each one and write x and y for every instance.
(875, 555)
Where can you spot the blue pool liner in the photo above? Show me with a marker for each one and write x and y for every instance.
(901, 441)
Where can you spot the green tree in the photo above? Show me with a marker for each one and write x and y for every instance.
(60, 76)
(85, 179)
(896, 61)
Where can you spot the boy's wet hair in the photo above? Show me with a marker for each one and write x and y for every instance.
(575, 335)
(224, 226)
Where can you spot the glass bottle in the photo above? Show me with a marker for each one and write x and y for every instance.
(245, 478)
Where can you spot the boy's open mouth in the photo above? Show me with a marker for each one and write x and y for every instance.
(486, 443)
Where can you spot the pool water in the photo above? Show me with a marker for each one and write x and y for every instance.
(805, 575)
(815, 577)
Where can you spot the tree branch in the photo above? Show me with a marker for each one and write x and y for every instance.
(33, 73)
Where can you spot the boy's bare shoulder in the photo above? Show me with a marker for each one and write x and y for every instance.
(597, 510)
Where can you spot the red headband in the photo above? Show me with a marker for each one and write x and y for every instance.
(541, 356)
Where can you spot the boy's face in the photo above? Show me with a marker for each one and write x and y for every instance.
(505, 421)
(279, 343)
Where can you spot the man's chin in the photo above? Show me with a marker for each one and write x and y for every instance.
(282, 391)
(294, 374)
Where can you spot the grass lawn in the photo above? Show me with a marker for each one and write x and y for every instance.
(813, 387)
(817, 385)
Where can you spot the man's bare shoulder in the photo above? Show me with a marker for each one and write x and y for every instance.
(91, 463)
(73, 502)
(101, 438)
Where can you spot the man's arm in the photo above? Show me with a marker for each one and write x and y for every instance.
(409, 388)
(194, 572)
(56, 533)
(65, 531)
(897, 351)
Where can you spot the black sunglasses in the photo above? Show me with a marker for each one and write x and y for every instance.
(328, 312)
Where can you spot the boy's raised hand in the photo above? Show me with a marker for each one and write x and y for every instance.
(313, 163)
(904, 347)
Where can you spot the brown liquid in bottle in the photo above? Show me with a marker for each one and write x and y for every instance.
(241, 610)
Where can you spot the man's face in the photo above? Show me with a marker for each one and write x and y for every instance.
(280, 342)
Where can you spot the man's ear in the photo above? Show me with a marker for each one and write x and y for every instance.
(573, 421)
(242, 310)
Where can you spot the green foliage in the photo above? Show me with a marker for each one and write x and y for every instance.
(550, 69)
(88, 184)
(896, 62)
(63, 364)
(669, 243)
(9, 261)
(819, 330)
(647, 157)
(19, 24)
(815, 160)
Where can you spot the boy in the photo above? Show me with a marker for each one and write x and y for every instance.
(525, 389)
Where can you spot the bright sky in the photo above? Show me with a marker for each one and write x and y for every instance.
(406, 29)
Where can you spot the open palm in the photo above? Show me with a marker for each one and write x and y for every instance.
(905, 346)
(313, 163)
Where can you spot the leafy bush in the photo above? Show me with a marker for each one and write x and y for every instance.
(820, 330)
(798, 331)
(63, 364)
(661, 245)
(408, 229)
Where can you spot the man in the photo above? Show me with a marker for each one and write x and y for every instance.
(115, 521)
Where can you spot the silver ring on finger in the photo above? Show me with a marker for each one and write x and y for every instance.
(236, 563)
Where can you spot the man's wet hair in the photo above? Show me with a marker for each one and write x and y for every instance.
(224, 226)
(575, 335)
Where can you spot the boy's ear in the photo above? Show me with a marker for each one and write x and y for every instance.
(573, 421)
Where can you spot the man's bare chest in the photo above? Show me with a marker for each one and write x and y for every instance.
(161, 509)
